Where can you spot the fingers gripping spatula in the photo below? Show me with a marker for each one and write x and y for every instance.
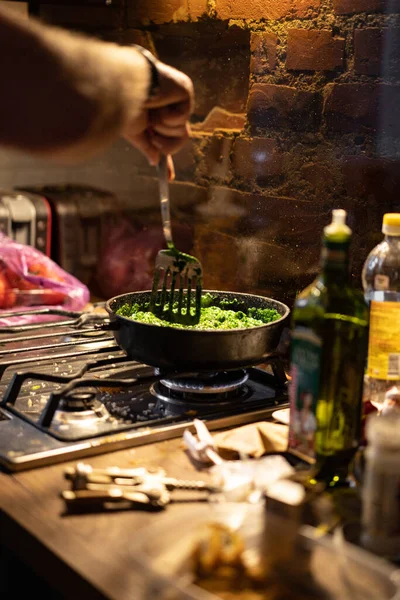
(179, 300)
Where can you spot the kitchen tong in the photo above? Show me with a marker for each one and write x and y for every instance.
(125, 488)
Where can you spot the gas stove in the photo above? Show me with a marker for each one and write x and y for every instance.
(67, 390)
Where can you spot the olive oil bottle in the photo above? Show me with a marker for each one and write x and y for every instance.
(328, 358)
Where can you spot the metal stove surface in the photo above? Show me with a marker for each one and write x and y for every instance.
(67, 391)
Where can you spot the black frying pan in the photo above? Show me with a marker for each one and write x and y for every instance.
(197, 350)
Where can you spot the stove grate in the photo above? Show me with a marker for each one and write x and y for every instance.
(67, 389)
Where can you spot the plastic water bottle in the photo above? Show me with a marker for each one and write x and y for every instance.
(381, 283)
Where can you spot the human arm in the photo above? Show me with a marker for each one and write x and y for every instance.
(66, 96)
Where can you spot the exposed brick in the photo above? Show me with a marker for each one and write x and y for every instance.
(375, 183)
(263, 50)
(265, 238)
(389, 111)
(197, 8)
(275, 233)
(368, 51)
(216, 238)
(213, 247)
(346, 7)
(281, 106)
(273, 242)
(219, 118)
(257, 158)
(310, 50)
(369, 45)
(322, 178)
(218, 156)
(283, 219)
(267, 9)
(353, 107)
(376, 180)
(184, 194)
(184, 161)
(216, 57)
(305, 8)
(153, 11)
(143, 192)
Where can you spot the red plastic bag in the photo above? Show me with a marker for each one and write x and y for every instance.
(30, 280)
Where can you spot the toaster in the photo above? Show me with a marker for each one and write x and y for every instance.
(80, 217)
(26, 218)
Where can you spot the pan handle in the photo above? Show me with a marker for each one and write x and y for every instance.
(275, 360)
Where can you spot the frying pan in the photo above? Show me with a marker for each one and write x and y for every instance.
(197, 350)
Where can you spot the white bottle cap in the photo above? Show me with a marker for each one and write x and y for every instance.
(338, 223)
(339, 216)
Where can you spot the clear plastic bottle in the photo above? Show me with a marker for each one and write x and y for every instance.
(381, 283)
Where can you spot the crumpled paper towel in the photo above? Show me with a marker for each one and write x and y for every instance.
(252, 441)
(247, 480)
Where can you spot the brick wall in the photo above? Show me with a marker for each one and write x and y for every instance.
(297, 112)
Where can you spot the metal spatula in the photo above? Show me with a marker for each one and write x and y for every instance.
(179, 300)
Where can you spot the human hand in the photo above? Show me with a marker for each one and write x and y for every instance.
(162, 127)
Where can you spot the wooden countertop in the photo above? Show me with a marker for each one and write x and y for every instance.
(87, 555)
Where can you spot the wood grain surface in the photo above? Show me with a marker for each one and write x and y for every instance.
(90, 555)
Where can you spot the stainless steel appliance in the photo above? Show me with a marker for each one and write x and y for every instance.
(67, 390)
(80, 216)
(26, 218)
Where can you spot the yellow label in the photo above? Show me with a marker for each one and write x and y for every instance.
(384, 340)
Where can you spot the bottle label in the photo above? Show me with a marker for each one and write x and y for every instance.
(305, 369)
(341, 385)
(333, 255)
(381, 282)
(384, 341)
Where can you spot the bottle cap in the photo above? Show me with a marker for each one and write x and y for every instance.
(337, 230)
(339, 216)
(391, 224)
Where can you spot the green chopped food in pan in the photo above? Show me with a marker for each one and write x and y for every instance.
(211, 317)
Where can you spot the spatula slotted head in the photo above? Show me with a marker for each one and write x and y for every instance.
(179, 300)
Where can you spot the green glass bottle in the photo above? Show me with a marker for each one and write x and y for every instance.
(328, 358)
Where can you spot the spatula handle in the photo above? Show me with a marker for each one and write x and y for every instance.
(164, 200)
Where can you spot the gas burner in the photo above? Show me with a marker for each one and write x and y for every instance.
(208, 383)
(80, 412)
(78, 402)
(202, 392)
